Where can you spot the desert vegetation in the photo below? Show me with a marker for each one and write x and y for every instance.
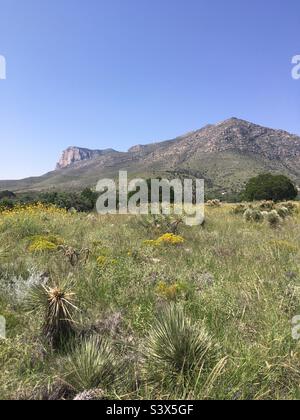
(123, 307)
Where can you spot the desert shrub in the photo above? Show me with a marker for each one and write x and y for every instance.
(257, 216)
(91, 365)
(248, 215)
(239, 209)
(74, 255)
(283, 212)
(274, 219)
(267, 205)
(253, 215)
(214, 203)
(177, 346)
(161, 223)
(291, 206)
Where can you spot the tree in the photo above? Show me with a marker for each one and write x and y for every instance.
(7, 195)
(270, 187)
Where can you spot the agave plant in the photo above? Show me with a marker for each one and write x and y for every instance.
(175, 345)
(57, 302)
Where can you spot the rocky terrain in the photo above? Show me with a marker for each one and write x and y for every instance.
(225, 155)
(78, 154)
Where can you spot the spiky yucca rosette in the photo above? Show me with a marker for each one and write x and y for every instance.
(57, 303)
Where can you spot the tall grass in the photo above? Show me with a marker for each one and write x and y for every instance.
(228, 336)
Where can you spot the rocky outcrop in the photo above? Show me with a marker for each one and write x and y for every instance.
(77, 154)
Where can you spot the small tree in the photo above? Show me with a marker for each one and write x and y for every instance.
(270, 187)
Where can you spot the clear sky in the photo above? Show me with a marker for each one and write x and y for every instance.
(115, 73)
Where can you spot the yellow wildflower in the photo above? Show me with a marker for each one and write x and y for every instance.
(166, 239)
(104, 261)
(169, 291)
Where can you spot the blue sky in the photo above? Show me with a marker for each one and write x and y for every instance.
(116, 73)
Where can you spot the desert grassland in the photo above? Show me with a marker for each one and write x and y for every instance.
(209, 318)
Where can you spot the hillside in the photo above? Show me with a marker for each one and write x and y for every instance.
(226, 155)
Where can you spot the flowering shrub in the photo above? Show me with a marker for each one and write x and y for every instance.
(169, 291)
(45, 243)
(41, 244)
(170, 239)
(32, 209)
(166, 239)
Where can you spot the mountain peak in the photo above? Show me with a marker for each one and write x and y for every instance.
(234, 122)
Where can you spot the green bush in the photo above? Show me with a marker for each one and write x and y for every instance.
(270, 187)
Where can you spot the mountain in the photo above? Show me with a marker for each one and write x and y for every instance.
(226, 155)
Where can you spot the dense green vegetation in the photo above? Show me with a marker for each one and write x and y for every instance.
(83, 201)
(119, 307)
(270, 187)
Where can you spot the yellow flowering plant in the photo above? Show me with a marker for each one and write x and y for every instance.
(169, 291)
(166, 239)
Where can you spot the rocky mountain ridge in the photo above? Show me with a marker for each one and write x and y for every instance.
(226, 155)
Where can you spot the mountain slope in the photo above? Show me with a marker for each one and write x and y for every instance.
(226, 155)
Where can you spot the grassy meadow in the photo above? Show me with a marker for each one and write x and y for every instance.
(123, 307)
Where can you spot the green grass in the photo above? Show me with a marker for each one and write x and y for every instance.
(235, 285)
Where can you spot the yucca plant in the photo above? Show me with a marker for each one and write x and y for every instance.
(57, 302)
(177, 346)
(91, 365)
